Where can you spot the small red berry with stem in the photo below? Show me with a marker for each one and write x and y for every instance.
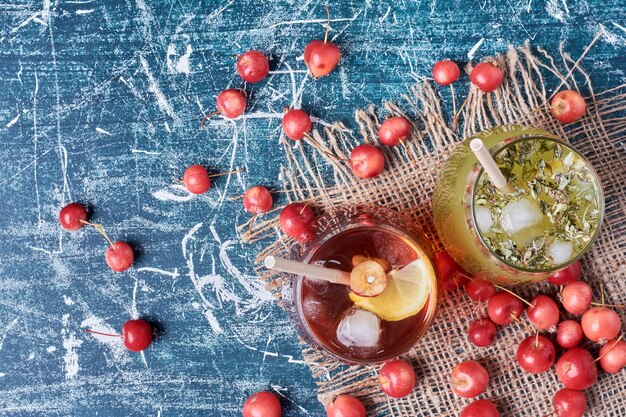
(231, 103)
(567, 275)
(321, 57)
(469, 379)
(297, 220)
(296, 124)
(576, 297)
(482, 332)
(577, 369)
(253, 66)
(257, 200)
(446, 73)
(395, 131)
(601, 324)
(137, 334)
(451, 275)
(535, 354)
(487, 77)
(345, 406)
(569, 403)
(197, 179)
(569, 334)
(503, 308)
(612, 356)
(73, 216)
(262, 404)
(480, 408)
(479, 289)
(119, 256)
(568, 106)
(397, 378)
(367, 161)
(543, 312)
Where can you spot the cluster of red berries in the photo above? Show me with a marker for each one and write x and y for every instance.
(576, 368)
(119, 256)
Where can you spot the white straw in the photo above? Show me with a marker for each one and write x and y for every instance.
(310, 271)
(492, 170)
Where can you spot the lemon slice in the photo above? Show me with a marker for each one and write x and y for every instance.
(406, 293)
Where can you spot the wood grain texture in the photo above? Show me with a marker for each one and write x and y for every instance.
(101, 103)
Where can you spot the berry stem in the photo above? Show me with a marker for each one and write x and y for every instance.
(327, 26)
(321, 148)
(102, 334)
(453, 99)
(208, 116)
(612, 347)
(100, 230)
(227, 173)
(252, 220)
(608, 305)
(513, 294)
(406, 149)
(455, 119)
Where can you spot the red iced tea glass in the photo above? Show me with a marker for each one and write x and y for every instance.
(326, 315)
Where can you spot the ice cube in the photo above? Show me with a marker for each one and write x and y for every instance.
(359, 328)
(560, 251)
(520, 215)
(483, 218)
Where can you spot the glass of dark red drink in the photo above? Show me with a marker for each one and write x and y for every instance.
(352, 327)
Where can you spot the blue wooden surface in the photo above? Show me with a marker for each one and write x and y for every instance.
(100, 104)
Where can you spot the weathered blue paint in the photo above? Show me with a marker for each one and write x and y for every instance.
(101, 102)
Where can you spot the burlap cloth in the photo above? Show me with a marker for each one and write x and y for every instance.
(407, 186)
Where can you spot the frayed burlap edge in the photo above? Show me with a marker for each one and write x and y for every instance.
(406, 185)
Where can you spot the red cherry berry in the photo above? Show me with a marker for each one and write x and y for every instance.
(576, 369)
(72, 216)
(257, 200)
(479, 289)
(469, 379)
(543, 312)
(367, 161)
(613, 356)
(576, 297)
(451, 275)
(568, 106)
(137, 335)
(569, 403)
(119, 256)
(601, 324)
(397, 378)
(296, 124)
(345, 406)
(569, 334)
(567, 275)
(480, 408)
(298, 221)
(503, 308)
(231, 103)
(253, 66)
(197, 179)
(446, 72)
(482, 332)
(321, 57)
(262, 404)
(487, 77)
(394, 130)
(535, 354)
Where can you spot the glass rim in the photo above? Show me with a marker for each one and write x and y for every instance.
(599, 193)
(410, 233)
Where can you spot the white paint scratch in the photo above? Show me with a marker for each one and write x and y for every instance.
(154, 88)
(6, 331)
(13, 121)
(84, 11)
(51, 349)
(180, 65)
(281, 391)
(70, 344)
(553, 8)
(146, 152)
(470, 54)
(104, 132)
(289, 358)
(309, 21)
(173, 274)
(175, 192)
(67, 300)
